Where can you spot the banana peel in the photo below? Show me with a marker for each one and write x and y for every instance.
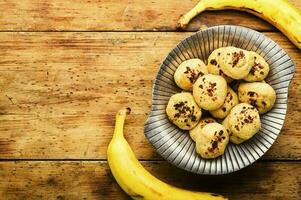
(135, 180)
(280, 13)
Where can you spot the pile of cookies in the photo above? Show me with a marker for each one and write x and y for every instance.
(230, 88)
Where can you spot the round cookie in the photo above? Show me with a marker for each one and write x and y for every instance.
(230, 101)
(210, 91)
(235, 62)
(260, 68)
(213, 66)
(188, 72)
(259, 94)
(196, 130)
(244, 121)
(212, 141)
(234, 139)
(183, 111)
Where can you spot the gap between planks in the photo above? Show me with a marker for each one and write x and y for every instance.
(118, 31)
(141, 160)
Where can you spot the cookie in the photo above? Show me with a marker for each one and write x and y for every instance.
(213, 65)
(210, 91)
(235, 62)
(230, 101)
(260, 68)
(196, 130)
(244, 121)
(234, 139)
(188, 72)
(259, 94)
(212, 140)
(183, 111)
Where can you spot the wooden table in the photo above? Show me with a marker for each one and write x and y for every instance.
(68, 66)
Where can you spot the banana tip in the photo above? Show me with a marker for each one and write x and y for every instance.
(128, 110)
(181, 25)
(125, 111)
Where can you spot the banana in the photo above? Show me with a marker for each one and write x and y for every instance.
(137, 181)
(280, 13)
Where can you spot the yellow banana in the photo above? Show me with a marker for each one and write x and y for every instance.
(280, 13)
(135, 180)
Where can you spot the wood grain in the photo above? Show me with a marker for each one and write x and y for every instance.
(112, 15)
(93, 180)
(60, 92)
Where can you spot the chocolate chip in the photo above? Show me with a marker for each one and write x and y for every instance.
(177, 115)
(236, 57)
(214, 145)
(246, 120)
(210, 92)
(200, 74)
(212, 84)
(260, 66)
(178, 105)
(251, 94)
(213, 62)
(184, 110)
(253, 102)
(249, 119)
(192, 75)
(252, 71)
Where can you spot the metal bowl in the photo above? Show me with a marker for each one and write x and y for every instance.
(174, 144)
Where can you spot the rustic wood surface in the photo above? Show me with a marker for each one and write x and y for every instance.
(93, 180)
(116, 15)
(68, 66)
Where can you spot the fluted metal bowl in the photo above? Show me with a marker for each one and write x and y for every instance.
(174, 144)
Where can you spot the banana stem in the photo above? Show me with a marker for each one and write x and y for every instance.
(119, 124)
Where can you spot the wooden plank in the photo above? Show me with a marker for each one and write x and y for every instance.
(60, 92)
(137, 15)
(93, 180)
